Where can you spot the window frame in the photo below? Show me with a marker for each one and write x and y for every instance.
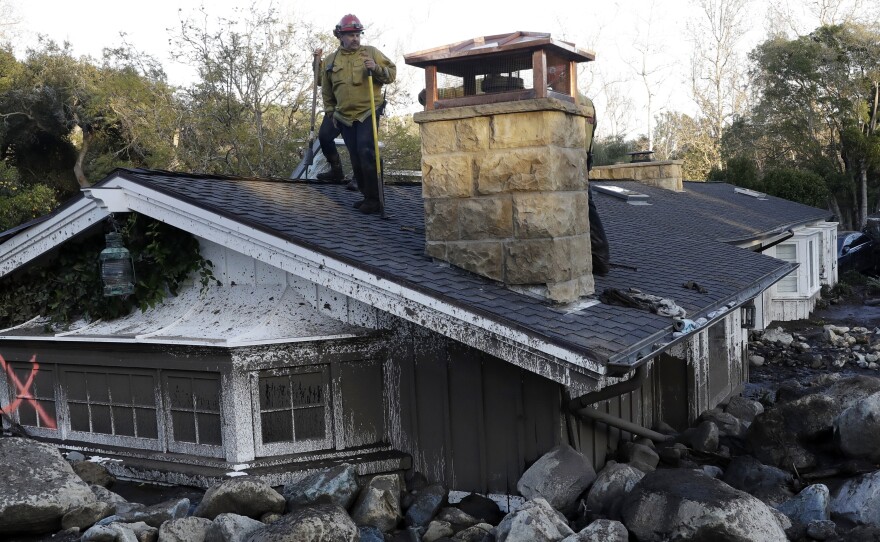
(109, 438)
(182, 446)
(293, 447)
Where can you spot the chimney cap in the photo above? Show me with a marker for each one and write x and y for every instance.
(498, 43)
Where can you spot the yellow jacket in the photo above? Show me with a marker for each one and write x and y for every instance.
(344, 82)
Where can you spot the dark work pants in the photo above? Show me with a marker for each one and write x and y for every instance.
(359, 141)
(326, 134)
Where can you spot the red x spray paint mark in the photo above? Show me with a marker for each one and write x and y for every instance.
(23, 391)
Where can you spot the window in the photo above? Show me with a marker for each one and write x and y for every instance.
(811, 255)
(294, 409)
(787, 252)
(35, 402)
(193, 410)
(121, 404)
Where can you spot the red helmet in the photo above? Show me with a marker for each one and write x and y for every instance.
(349, 23)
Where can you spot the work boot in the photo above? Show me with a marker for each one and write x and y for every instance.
(358, 203)
(335, 174)
(369, 207)
(352, 185)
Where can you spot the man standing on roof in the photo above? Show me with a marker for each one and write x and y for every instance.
(347, 97)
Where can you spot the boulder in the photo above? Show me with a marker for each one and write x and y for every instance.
(822, 529)
(336, 485)
(702, 438)
(232, 528)
(559, 477)
(245, 496)
(458, 519)
(535, 520)
(857, 429)
(858, 500)
(685, 504)
(121, 532)
(93, 473)
(368, 533)
(318, 523)
(613, 482)
(477, 533)
(778, 436)
(728, 425)
(437, 529)
(427, 502)
(191, 529)
(37, 487)
(813, 503)
(640, 456)
(768, 483)
(777, 335)
(84, 517)
(601, 530)
(744, 409)
(482, 508)
(379, 503)
(154, 516)
(105, 495)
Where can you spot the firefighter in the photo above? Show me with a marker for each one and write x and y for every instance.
(347, 98)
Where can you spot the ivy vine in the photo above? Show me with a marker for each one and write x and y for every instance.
(66, 285)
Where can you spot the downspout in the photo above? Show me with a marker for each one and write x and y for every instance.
(580, 407)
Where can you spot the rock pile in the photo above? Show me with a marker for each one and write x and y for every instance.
(804, 469)
(837, 347)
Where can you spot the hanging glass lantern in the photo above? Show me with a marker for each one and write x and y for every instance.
(117, 267)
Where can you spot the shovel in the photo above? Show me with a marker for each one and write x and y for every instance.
(379, 174)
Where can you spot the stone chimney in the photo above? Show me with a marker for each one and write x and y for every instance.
(504, 162)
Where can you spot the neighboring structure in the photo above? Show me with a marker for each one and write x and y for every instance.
(789, 231)
(444, 340)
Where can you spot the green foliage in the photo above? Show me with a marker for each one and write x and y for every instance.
(740, 171)
(612, 150)
(797, 185)
(19, 204)
(66, 285)
(402, 144)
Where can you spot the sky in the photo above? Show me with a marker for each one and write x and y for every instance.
(613, 29)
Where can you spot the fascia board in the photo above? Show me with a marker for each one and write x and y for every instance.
(521, 349)
(33, 242)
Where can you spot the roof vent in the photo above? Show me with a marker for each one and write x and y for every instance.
(629, 196)
(752, 193)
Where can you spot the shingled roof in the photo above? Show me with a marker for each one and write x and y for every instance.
(714, 211)
(655, 257)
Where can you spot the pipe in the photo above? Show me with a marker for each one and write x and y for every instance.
(789, 235)
(613, 390)
(629, 427)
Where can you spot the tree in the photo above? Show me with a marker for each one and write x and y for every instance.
(682, 137)
(66, 119)
(717, 82)
(249, 113)
(819, 108)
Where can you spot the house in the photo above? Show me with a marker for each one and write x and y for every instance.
(463, 337)
(777, 227)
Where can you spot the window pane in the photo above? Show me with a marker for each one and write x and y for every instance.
(26, 414)
(123, 421)
(207, 394)
(120, 389)
(79, 417)
(788, 284)
(97, 386)
(309, 423)
(277, 426)
(146, 423)
(101, 419)
(209, 429)
(787, 252)
(180, 392)
(143, 390)
(44, 385)
(48, 410)
(308, 389)
(274, 392)
(184, 426)
(76, 386)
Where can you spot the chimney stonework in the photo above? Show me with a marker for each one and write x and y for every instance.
(506, 193)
